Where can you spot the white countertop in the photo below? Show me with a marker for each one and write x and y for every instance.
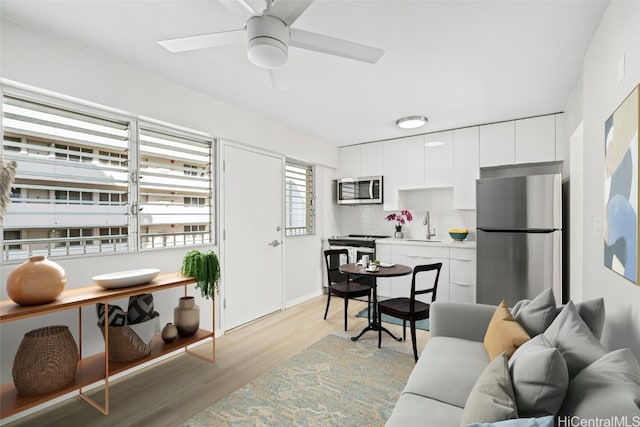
(446, 242)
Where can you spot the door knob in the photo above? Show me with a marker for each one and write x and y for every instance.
(274, 243)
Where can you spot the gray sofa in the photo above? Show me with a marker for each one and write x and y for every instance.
(597, 383)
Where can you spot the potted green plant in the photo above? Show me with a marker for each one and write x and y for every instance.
(205, 268)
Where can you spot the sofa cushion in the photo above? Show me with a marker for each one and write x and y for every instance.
(537, 314)
(447, 370)
(547, 421)
(574, 339)
(606, 388)
(413, 410)
(491, 398)
(592, 312)
(504, 334)
(540, 378)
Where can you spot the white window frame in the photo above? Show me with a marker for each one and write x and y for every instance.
(308, 229)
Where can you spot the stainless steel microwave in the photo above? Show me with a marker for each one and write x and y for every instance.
(360, 190)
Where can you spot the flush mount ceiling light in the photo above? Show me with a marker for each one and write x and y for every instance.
(411, 122)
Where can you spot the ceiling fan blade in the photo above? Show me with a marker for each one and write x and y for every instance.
(289, 10)
(183, 44)
(334, 46)
(279, 78)
(241, 8)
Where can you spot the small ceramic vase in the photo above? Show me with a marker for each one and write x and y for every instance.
(36, 281)
(169, 333)
(186, 316)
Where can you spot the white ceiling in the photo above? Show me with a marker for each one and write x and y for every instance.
(458, 62)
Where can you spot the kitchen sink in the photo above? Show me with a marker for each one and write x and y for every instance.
(424, 240)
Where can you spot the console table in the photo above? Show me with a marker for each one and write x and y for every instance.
(96, 367)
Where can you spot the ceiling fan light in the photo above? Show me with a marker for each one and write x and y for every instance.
(411, 122)
(266, 52)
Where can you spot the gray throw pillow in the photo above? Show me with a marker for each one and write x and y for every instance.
(608, 388)
(540, 378)
(592, 312)
(491, 398)
(537, 314)
(574, 339)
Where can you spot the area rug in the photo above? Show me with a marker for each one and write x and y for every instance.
(420, 324)
(334, 382)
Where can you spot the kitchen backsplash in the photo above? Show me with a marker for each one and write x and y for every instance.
(370, 219)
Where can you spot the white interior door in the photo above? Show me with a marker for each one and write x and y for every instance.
(253, 230)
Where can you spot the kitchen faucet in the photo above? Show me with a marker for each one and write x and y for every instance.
(427, 222)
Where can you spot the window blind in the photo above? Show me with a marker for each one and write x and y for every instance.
(299, 199)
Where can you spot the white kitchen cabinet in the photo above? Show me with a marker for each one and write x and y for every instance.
(411, 163)
(535, 139)
(371, 159)
(438, 160)
(390, 176)
(560, 141)
(466, 146)
(497, 144)
(349, 161)
(462, 275)
(413, 255)
(383, 253)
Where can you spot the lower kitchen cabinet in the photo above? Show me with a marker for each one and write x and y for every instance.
(457, 281)
(462, 275)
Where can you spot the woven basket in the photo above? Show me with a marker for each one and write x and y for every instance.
(46, 360)
(125, 345)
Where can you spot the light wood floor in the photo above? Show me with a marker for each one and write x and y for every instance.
(173, 390)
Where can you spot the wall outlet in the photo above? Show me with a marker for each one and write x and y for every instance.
(597, 226)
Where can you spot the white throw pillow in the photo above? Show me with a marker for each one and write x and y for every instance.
(608, 388)
(540, 378)
(536, 315)
(491, 398)
(574, 339)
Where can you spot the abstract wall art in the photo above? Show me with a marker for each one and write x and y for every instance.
(621, 188)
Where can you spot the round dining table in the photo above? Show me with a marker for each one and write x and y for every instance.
(355, 269)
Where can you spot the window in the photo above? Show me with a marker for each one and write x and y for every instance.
(299, 195)
(89, 179)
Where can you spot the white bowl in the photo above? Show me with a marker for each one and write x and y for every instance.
(123, 279)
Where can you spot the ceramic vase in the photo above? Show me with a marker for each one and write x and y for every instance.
(169, 333)
(398, 234)
(186, 316)
(36, 281)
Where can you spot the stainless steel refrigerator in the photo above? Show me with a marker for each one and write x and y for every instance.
(519, 237)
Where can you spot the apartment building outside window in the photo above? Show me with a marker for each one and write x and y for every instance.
(89, 181)
(299, 199)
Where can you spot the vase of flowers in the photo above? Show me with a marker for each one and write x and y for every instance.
(402, 218)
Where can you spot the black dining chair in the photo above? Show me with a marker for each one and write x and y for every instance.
(339, 284)
(410, 308)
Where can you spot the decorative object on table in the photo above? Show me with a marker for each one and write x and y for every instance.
(36, 281)
(204, 268)
(131, 342)
(7, 175)
(169, 333)
(140, 308)
(402, 218)
(46, 360)
(124, 279)
(621, 179)
(186, 316)
(458, 234)
(117, 316)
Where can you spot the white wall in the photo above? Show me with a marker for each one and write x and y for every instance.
(617, 35)
(33, 59)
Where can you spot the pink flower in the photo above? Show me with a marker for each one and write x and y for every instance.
(403, 217)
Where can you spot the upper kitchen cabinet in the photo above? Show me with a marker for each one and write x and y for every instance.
(497, 144)
(349, 161)
(438, 160)
(535, 139)
(371, 159)
(466, 147)
(411, 161)
(390, 175)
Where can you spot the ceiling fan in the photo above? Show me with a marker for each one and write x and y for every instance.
(269, 35)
